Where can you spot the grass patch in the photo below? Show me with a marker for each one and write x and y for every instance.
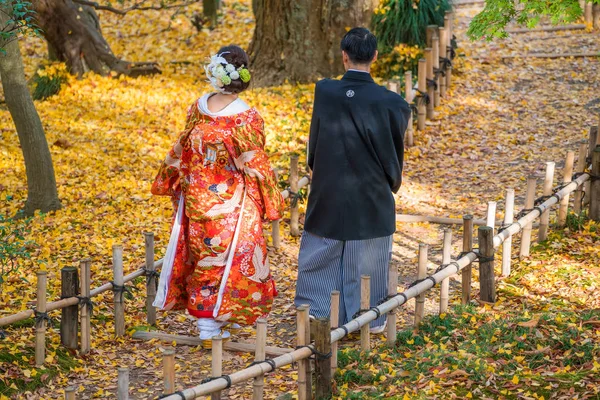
(20, 373)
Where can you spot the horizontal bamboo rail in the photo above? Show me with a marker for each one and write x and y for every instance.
(71, 301)
(384, 308)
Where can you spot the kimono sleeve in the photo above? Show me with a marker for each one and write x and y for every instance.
(254, 163)
(166, 182)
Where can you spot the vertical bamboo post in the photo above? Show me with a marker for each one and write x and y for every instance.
(435, 49)
(595, 186)
(545, 218)
(596, 16)
(275, 234)
(567, 178)
(467, 246)
(307, 340)
(304, 384)
(40, 323)
(443, 54)
(408, 96)
(421, 274)
(529, 202)
(123, 384)
(491, 214)
(70, 393)
(294, 211)
(509, 217)
(430, 33)
(69, 282)
(323, 364)
(118, 294)
(365, 304)
(393, 87)
(448, 26)
(446, 258)
(391, 317)
(486, 264)
(150, 278)
(259, 356)
(593, 140)
(217, 363)
(169, 371)
(578, 197)
(335, 318)
(422, 86)
(589, 14)
(86, 309)
(448, 44)
(430, 88)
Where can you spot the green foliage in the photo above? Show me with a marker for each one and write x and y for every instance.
(20, 21)
(47, 84)
(400, 27)
(575, 222)
(497, 14)
(405, 21)
(13, 246)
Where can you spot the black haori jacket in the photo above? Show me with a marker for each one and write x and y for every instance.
(356, 150)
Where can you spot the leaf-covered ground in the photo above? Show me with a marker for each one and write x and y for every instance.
(503, 120)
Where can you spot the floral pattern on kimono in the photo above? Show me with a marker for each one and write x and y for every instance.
(220, 167)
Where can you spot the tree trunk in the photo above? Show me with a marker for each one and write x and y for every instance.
(299, 40)
(209, 8)
(73, 32)
(41, 184)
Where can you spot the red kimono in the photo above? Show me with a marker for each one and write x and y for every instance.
(219, 264)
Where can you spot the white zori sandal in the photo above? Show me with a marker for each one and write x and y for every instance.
(209, 328)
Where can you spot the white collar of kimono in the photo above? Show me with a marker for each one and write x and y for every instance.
(235, 107)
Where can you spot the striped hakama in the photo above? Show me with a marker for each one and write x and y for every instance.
(328, 264)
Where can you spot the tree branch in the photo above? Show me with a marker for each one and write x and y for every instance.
(136, 7)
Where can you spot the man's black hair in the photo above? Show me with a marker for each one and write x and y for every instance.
(360, 45)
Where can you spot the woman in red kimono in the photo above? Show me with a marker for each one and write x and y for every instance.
(223, 187)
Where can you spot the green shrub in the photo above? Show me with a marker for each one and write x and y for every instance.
(405, 21)
(48, 81)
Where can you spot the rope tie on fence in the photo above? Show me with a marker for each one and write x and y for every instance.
(414, 108)
(432, 82)
(481, 258)
(41, 317)
(121, 290)
(364, 310)
(214, 378)
(437, 72)
(506, 226)
(86, 301)
(179, 393)
(445, 63)
(269, 361)
(294, 197)
(343, 327)
(391, 296)
(151, 274)
(422, 97)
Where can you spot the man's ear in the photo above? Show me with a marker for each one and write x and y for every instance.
(345, 57)
(375, 57)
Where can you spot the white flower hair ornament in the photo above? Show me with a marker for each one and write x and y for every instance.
(220, 73)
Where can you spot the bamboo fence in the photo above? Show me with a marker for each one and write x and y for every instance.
(488, 243)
